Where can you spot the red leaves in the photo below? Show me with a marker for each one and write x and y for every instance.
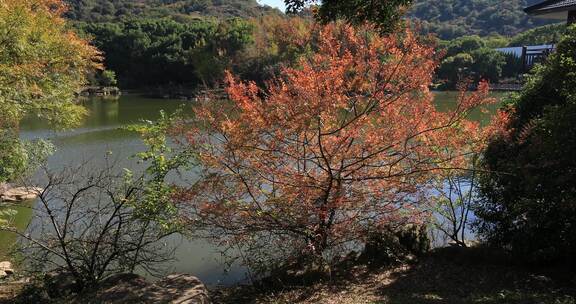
(347, 141)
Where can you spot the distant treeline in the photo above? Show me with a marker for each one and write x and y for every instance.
(147, 52)
(446, 18)
(547, 34)
(476, 57)
(109, 10)
(192, 42)
(455, 18)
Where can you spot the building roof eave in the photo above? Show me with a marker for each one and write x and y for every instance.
(551, 6)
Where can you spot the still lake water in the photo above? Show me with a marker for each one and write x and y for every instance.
(101, 133)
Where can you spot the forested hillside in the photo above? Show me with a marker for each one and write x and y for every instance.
(447, 18)
(150, 43)
(454, 18)
(107, 10)
(540, 35)
(160, 51)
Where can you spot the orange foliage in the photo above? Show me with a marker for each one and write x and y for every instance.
(344, 144)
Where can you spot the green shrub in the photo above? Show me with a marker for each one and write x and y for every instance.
(13, 157)
(389, 246)
(529, 203)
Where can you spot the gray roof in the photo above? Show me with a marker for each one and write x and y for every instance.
(550, 6)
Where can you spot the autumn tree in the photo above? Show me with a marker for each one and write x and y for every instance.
(42, 64)
(345, 144)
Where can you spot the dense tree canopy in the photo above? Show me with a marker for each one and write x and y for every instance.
(109, 10)
(453, 18)
(174, 42)
(278, 42)
(472, 57)
(384, 14)
(446, 18)
(530, 195)
(42, 65)
(547, 34)
(149, 52)
(145, 52)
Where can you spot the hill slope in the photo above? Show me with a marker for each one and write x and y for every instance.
(453, 18)
(107, 10)
(446, 18)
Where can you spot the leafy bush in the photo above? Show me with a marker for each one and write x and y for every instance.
(108, 78)
(388, 246)
(529, 193)
(468, 57)
(19, 158)
(13, 158)
(91, 223)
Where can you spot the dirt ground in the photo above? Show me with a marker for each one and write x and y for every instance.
(450, 275)
(9, 289)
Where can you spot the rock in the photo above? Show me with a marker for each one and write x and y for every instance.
(185, 289)
(6, 267)
(3, 274)
(122, 288)
(19, 194)
(131, 288)
(540, 282)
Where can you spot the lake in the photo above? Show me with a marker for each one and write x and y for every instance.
(101, 133)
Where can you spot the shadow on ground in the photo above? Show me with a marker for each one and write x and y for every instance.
(445, 276)
(478, 275)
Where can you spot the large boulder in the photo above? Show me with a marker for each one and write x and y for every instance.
(19, 194)
(185, 289)
(131, 288)
(6, 269)
(122, 288)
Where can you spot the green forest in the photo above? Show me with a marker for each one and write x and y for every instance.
(453, 18)
(190, 43)
(446, 18)
(107, 10)
(160, 51)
